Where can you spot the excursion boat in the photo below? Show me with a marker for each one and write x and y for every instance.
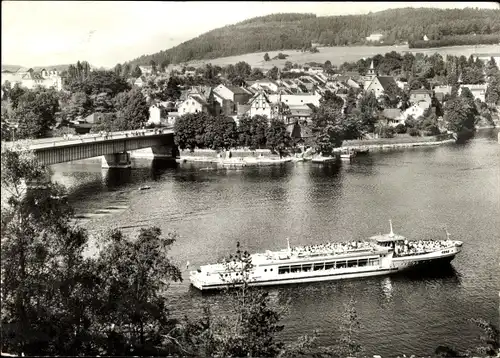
(379, 255)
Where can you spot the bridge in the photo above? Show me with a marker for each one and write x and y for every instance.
(114, 147)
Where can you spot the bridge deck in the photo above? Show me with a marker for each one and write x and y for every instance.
(57, 142)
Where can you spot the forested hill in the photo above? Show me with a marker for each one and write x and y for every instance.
(299, 31)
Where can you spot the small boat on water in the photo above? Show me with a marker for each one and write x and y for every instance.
(347, 155)
(378, 255)
(361, 151)
(145, 187)
(321, 159)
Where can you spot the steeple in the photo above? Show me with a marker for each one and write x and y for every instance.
(371, 71)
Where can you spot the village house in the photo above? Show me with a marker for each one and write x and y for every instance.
(299, 99)
(299, 113)
(265, 84)
(172, 118)
(487, 57)
(155, 114)
(262, 105)
(419, 95)
(307, 83)
(193, 104)
(416, 110)
(140, 81)
(425, 38)
(441, 91)
(394, 116)
(198, 99)
(374, 37)
(478, 91)
(29, 78)
(146, 70)
(380, 84)
(230, 96)
(315, 70)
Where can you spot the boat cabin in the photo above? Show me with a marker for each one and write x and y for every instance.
(390, 241)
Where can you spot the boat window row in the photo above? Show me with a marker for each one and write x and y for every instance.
(330, 265)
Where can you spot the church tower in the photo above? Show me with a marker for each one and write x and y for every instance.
(371, 71)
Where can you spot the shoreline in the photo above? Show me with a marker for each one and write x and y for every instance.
(251, 160)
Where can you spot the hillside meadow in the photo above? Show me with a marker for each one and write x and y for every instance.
(339, 55)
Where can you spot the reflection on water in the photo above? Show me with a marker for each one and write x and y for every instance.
(421, 190)
(387, 288)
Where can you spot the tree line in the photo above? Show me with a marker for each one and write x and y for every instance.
(300, 31)
(201, 130)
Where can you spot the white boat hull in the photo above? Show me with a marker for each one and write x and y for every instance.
(397, 264)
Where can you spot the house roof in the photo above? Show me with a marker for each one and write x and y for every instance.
(199, 99)
(392, 113)
(421, 91)
(257, 95)
(386, 81)
(237, 90)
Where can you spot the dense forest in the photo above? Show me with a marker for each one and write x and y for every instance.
(299, 31)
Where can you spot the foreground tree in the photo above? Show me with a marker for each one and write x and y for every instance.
(35, 112)
(44, 285)
(79, 105)
(221, 133)
(98, 82)
(252, 131)
(278, 138)
(327, 123)
(133, 276)
(459, 115)
(132, 110)
(190, 130)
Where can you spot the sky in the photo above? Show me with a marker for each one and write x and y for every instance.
(104, 33)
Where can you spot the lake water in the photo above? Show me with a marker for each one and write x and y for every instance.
(421, 190)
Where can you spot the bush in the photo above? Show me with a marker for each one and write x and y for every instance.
(414, 132)
(386, 132)
(431, 130)
(400, 128)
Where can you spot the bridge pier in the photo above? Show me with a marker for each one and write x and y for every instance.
(164, 151)
(116, 160)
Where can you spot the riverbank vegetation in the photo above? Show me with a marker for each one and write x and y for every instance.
(300, 31)
(59, 298)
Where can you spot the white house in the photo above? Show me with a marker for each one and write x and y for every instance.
(297, 99)
(155, 114)
(172, 117)
(315, 70)
(478, 91)
(146, 70)
(261, 104)
(416, 110)
(375, 37)
(486, 57)
(32, 79)
(262, 84)
(426, 38)
(193, 104)
(378, 85)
